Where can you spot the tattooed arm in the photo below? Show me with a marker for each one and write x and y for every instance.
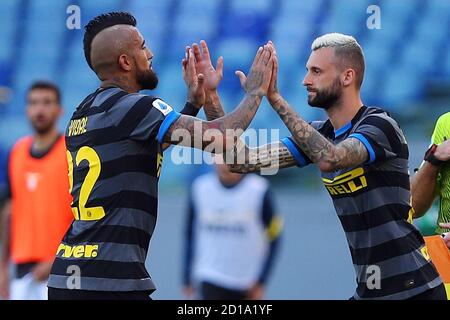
(214, 136)
(240, 159)
(272, 156)
(320, 150)
(213, 106)
(192, 132)
(212, 77)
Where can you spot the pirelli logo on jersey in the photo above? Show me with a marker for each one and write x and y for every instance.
(77, 126)
(346, 183)
(78, 251)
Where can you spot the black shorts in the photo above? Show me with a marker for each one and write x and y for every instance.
(67, 294)
(437, 293)
(209, 291)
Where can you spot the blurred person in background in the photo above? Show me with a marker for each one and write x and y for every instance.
(3, 192)
(433, 178)
(37, 210)
(3, 176)
(214, 274)
(232, 236)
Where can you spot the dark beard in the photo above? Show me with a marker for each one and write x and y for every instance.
(147, 79)
(327, 97)
(41, 130)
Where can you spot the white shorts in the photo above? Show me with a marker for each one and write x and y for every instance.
(27, 288)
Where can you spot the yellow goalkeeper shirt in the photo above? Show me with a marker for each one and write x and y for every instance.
(440, 134)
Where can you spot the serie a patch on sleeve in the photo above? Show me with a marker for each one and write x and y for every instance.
(162, 106)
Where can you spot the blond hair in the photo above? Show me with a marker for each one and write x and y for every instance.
(346, 49)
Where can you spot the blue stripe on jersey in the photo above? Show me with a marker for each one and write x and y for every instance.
(366, 143)
(301, 162)
(168, 121)
(342, 130)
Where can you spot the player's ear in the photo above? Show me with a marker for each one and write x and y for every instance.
(125, 62)
(347, 77)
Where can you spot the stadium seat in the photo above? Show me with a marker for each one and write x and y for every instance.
(304, 8)
(421, 54)
(170, 82)
(399, 87)
(261, 7)
(238, 54)
(188, 31)
(195, 7)
(12, 128)
(236, 24)
(353, 12)
(9, 14)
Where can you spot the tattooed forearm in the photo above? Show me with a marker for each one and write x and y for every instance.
(213, 107)
(316, 146)
(224, 131)
(320, 150)
(267, 157)
(241, 158)
(213, 110)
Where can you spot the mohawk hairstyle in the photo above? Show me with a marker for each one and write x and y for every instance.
(100, 23)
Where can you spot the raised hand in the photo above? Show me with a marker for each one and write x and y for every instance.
(273, 93)
(258, 79)
(193, 80)
(204, 66)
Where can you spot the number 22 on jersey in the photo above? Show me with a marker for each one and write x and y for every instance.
(82, 212)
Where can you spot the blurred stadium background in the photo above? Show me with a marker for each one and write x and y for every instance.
(407, 72)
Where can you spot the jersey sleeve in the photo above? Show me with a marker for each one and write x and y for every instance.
(300, 157)
(150, 118)
(382, 138)
(440, 134)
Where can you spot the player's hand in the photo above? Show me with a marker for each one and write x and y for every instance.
(256, 292)
(41, 271)
(204, 66)
(443, 151)
(194, 81)
(258, 79)
(273, 94)
(447, 236)
(4, 282)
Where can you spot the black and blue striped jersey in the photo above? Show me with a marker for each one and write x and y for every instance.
(114, 153)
